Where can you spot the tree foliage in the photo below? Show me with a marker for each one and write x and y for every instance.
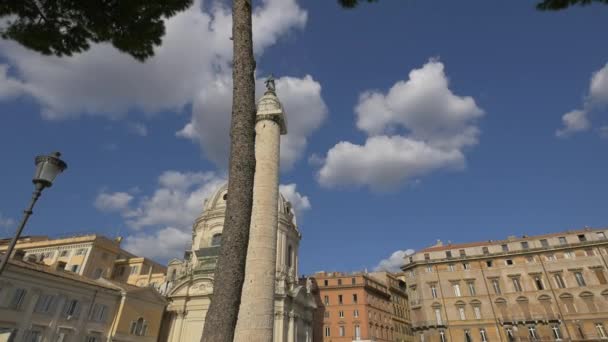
(65, 27)
(545, 5)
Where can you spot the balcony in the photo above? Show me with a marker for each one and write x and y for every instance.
(417, 325)
(531, 319)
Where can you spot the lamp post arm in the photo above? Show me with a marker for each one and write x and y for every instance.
(26, 215)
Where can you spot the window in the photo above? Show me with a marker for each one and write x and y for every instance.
(139, 327)
(510, 336)
(466, 266)
(357, 332)
(467, 335)
(562, 240)
(496, 286)
(354, 281)
(341, 314)
(557, 334)
(438, 316)
(325, 282)
(579, 279)
(93, 338)
(582, 238)
(216, 240)
(530, 259)
(71, 308)
(601, 277)
(550, 257)
(99, 313)
(339, 281)
(33, 336)
(461, 313)
(485, 250)
(477, 311)
(600, 330)
(580, 332)
(355, 298)
(61, 265)
(427, 256)
(326, 300)
(327, 331)
(442, 336)
(589, 252)
(356, 313)
(75, 268)
(505, 248)
(43, 305)
(342, 333)
(472, 290)
(462, 253)
(525, 245)
(600, 235)
(451, 267)
(456, 288)
(538, 280)
(509, 262)
(434, 291)
(63, 254)
(340, 299)
(134, 269)
(81, 251)
(544, 243)
(97, 273)
(18, 298)
(568, 255)
(517, 285)
(532, 332)
(429, 269)
(121, 270)
(448, 254)
(489, 263)
(559, 281)
(482, 333)
(326, 314)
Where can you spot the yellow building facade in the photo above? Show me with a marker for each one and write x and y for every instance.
(92, 256)
(39, 303)
(543, 288)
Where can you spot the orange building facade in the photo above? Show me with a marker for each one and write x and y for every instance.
(352, 307)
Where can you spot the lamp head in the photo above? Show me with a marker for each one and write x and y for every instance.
(47, 168)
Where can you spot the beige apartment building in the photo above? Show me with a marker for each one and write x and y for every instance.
(92, 256)
(359, 307)
(40, 303)
(533, 288)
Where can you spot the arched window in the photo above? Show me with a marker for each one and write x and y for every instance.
(173, 274)
(289, 256)
(216, 240)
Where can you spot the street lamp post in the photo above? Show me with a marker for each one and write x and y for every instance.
(47, 168)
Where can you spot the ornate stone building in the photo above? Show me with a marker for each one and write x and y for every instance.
(191, 279)
(533, 288)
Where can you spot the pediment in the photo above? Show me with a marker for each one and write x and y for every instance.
(192, 287)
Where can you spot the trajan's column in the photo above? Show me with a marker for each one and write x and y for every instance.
(256, 314)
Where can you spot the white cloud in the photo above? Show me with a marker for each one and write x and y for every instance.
(574, 121)
(177, 201)
(163, 244)
(6, 222)
(192, 66)
(210, 124)
(163, 220)
(384, 162)
(578, 120)
(138, 128)
(417, 127)
(117, 201)
(394, 262)
(299, 202)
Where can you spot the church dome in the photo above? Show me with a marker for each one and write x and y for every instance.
(217, 201)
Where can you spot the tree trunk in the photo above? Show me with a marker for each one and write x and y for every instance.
(229, 275)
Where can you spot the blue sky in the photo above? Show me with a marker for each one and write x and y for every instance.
(410, 121)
